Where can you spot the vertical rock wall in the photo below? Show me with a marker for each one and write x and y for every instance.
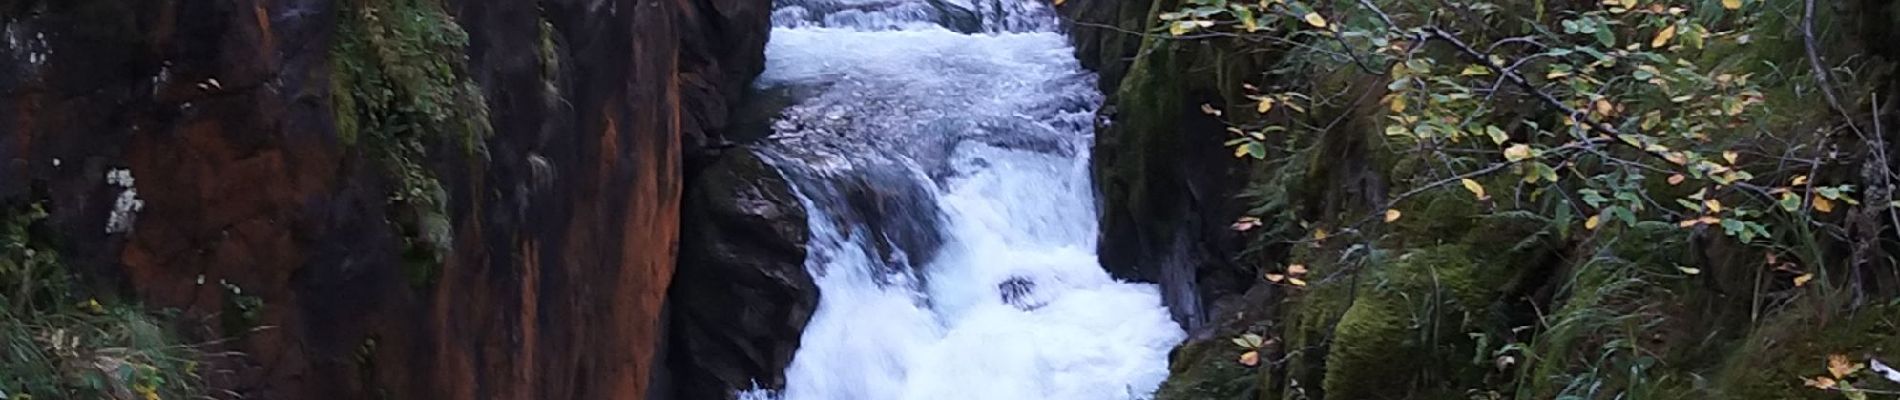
(561, 228)
(1167, 184)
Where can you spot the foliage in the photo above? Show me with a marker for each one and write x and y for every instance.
(400, 88)
(53, 346)
(30, 275)
(1722, 121)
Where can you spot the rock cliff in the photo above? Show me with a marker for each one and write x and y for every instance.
(428, 199)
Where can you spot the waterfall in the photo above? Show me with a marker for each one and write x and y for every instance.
(941, 150)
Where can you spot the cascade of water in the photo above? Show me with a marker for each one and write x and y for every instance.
(953, 222)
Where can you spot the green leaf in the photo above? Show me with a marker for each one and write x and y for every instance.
(1497, 135)
(1848, 391)
(1791, 202)
(1732, 227)
(1546, 172)
(1624, 214)
(1593, 197)
(1564, 219)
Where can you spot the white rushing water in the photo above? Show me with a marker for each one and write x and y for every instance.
(990, 132)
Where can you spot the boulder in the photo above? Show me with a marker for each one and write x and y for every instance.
(742, 295)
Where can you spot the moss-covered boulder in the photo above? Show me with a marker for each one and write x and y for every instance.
(1771, 363)
(1209, 370)
(1408, 323)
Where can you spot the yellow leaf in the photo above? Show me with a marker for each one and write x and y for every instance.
(1677, 157)
(1251, 358)
(1819, 382)
(1059, 2)
(1266, 104)
(1730, 155)
(1275, 277)
(1676, 179)
(1703, 220)
(1838, 365)
(1592, 223)
(92, 306)
(1517, 152)
(1714, 206)
(1605, 108)
(1392, 215)
(1319, 234)
(1240, 151)
(1296, 282)
(1799, 180)
(1397, 103)
(1733, 5)
(1296, 269)
(1475, 188)
(1662, 38)
(1803, 279)
(1314, 19)
(1822, 204)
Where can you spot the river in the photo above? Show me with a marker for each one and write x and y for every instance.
(946, 178)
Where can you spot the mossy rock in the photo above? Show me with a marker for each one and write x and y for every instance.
(1370, 356)
(1409, 323)
(1652, 244)
(1210, 370)
(1310, 316)
(401, 93)
(1771, 363)
(1436, 217)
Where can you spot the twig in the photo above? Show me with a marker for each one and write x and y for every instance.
(1821, 75)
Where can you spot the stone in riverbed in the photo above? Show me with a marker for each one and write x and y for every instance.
(741, 296)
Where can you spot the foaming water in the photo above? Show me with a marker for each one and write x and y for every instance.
(946, 180)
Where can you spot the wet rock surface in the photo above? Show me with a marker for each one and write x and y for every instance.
(742, 294)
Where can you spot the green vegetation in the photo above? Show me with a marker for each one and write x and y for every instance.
(1540, 199)
(400, 89)
(56, 345)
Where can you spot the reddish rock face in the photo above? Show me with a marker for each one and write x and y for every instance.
(565, 230)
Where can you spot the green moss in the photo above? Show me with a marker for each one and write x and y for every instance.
(1408, 328)
(1796, 343)
(1140, 153)
(1309, 315)
(550, 54)
(399, 89)
(1207, 370)
(1626, 322)
(1370, 345)
(1437, 216)
(1139, 159)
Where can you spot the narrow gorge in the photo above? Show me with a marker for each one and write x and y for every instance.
(949, 199)
(938, 153)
